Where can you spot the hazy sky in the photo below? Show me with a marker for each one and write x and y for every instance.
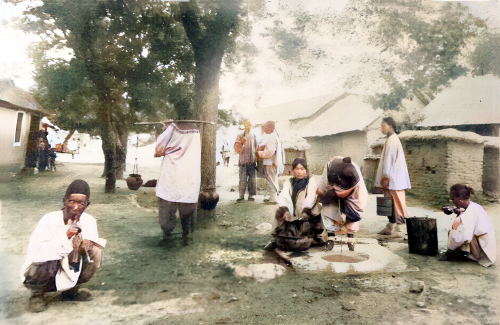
(15, 63)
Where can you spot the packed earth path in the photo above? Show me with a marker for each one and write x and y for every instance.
(147, 280)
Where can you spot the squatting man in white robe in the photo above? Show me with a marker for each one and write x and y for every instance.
(178, 186)
(471, 235)
(343, 196)
(64, 250)
(393, 177)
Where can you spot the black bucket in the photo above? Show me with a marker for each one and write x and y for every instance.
(384, 206)
(422, 236)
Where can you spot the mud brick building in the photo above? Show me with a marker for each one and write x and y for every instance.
(438, 159)
(491, 167)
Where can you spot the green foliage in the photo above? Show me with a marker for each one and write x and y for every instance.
(432, 61)
(486, 57)
(227, 118)
(288, 45)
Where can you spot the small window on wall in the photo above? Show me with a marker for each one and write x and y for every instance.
(19, 127)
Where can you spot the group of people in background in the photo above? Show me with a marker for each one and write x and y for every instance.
(263, 157)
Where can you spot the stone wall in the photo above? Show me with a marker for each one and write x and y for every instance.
(465, 164)
(491, 167)
(435, 165)
(349, 144)
(428, 169)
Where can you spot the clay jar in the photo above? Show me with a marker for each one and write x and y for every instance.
(208, 199)
(134, 181)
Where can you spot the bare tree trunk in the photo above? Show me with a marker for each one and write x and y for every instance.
(108, 147)
(121, 151)
(65, 142)
(207, 101)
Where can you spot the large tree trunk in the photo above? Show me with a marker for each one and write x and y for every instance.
(206, 105)
(121, 150)
(108, 147)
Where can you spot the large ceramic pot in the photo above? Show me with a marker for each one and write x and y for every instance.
(208, 199)
(134, 181)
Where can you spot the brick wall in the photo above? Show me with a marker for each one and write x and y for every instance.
(428, 170)
(349, 144)
(465, 164)
(491, 180)
(435, 165)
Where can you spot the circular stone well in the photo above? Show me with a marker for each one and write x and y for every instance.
(345, 257)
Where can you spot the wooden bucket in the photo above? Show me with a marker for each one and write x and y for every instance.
(422, 236)
(384, 206)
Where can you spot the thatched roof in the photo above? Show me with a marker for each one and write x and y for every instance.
(446, 135)
(291, 110)
(491, 142)
(295, 143)
(468, 101)
(16, 98)
(350, 113)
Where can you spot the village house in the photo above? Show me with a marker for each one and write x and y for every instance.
(437, 160)
(471, 104)
(19, 115)
(331, 125)
(468, 104)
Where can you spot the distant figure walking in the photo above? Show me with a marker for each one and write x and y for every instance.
(246, 146)
(392, 176)
(178, 186)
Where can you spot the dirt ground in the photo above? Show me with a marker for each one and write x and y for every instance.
(144, 280)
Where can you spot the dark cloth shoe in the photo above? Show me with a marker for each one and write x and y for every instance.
(350, 246)
(37, 304)
(329, 245)
(240, 200)
(454, 255)
(271, 246)
(251, 198)
(74, 294)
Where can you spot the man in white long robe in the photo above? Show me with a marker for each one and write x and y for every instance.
(392, 176)
(178, 186)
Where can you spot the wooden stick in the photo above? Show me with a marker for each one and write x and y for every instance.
(170, 121)
(283, 256)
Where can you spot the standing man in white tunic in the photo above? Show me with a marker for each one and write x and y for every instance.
(271, 156)
(392, 176)
(178, 187)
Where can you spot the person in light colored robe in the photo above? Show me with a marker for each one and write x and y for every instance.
(298, 215)
(472, 232)
(178, 186)
(392, 176)
(270, 153)
(344, 197)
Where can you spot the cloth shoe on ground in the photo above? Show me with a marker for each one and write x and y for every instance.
(454, 255)
(37, 304)
(74, 294)
(350, 246)
(251, 198)
(388, 230)
(240, 199)
(271, 246)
